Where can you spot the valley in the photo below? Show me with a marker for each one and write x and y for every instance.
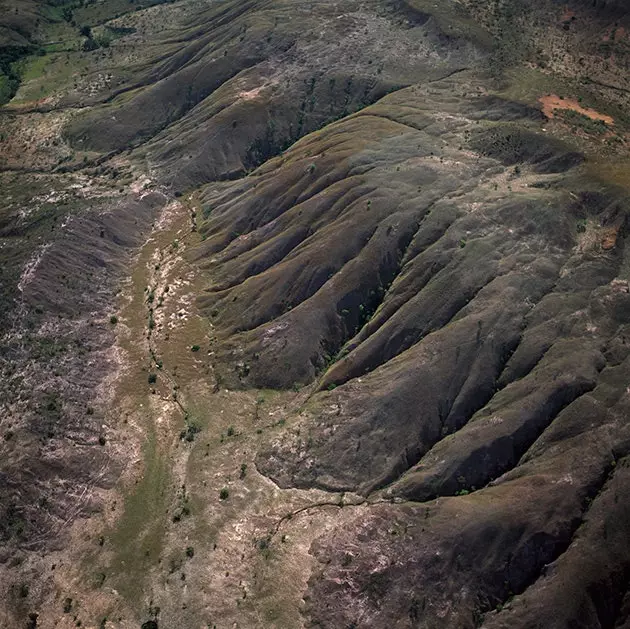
(314, 314)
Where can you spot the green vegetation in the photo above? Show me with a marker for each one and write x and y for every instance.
(583, 122)
(31, 67)
(183, 508)
(224, 494)
(190, 432)
(264, 546)
(138, 535)
(10, 75)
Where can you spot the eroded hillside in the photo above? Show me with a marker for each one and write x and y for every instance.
(314, 314)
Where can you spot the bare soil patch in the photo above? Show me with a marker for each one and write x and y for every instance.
(552, 102)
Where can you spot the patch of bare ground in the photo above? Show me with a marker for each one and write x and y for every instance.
(551, 103)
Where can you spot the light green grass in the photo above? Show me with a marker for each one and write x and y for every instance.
(139, 534)
(32, 67)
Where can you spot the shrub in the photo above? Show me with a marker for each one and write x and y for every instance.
(89, 45)
(587, 124)
(195, 348)
(264, 546)
(152, 378)
(190, 552)
(182, 511)
(113, 319)
(224, 494)
(188, 434)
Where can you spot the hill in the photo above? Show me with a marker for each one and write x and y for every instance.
(314, 314)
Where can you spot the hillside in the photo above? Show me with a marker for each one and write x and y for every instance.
(314, 314)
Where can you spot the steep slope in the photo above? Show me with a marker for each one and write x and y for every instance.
(245, 80)
(476, 316)
(315, 314)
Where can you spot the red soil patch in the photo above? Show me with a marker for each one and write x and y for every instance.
(609, 237)
(552, 102)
